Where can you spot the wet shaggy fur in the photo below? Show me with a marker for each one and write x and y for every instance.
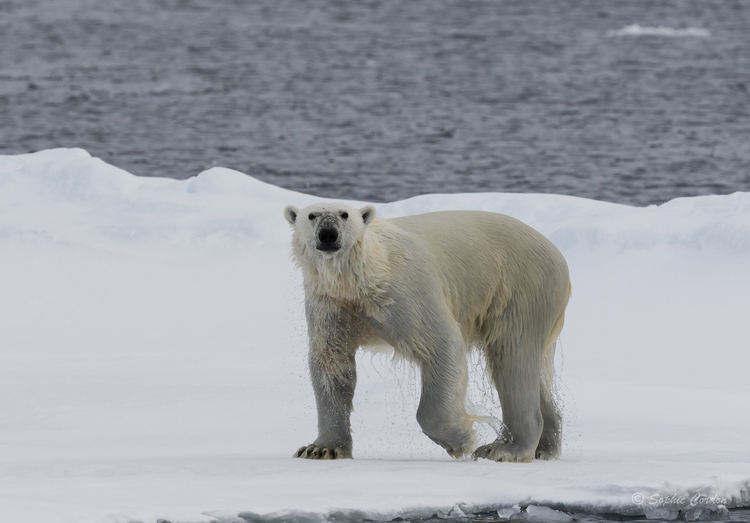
(432, 286)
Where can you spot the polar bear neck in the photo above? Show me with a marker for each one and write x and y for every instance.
(359, 275)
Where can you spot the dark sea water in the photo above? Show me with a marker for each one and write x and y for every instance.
(379, 100)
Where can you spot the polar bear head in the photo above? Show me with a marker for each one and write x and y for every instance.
(324, 230)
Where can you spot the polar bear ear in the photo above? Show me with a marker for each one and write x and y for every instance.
(368, 214)
(290, 213)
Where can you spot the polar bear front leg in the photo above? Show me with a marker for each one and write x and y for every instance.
(442, 406)
(334, 393)
(334, 338)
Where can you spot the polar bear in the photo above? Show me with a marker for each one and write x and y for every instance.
(432, 286)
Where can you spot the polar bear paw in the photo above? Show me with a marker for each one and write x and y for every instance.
(460, 452)
(497, 451)
(315, 452)
(547, 455)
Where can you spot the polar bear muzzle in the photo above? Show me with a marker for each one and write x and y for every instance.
(328, 238)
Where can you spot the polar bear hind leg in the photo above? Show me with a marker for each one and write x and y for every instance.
(516, 373)
(523, 374)
(550, 441)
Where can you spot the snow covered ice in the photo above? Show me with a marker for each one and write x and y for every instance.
(153, 360)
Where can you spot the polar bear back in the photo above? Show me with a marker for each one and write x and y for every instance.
(486, 260)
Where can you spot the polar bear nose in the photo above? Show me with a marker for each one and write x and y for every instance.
(328, 235)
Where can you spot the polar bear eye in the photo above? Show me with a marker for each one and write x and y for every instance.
(345, 215)
(311, 216)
